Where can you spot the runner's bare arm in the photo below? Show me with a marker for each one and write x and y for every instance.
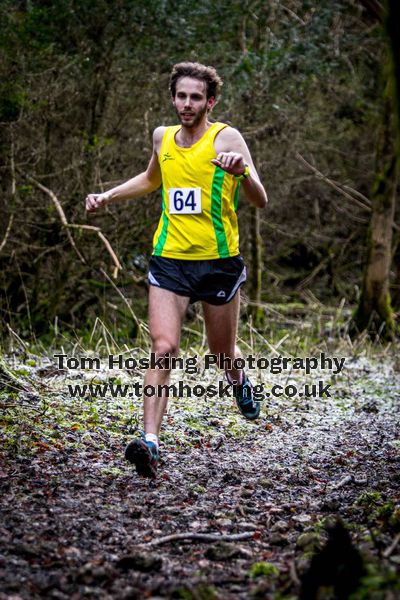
(142, 184)
(232, 156)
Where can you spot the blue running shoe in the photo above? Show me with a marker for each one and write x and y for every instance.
(244, 399)
(144, 455)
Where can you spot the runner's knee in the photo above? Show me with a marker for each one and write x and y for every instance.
(163, 347)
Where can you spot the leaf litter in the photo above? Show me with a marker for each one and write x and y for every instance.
(239, 509)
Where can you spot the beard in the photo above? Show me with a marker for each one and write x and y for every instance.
(194, 120)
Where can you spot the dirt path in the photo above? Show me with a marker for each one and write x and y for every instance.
(77, 522)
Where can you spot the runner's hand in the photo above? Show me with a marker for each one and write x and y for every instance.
(231, 162)
(95, 201)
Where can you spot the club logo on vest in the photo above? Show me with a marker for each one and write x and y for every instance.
(167, 156)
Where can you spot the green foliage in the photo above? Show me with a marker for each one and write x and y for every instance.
(369, 499)
(377, 583)
(199, 592)
(264, 569)
(86, 82)
(380, 512)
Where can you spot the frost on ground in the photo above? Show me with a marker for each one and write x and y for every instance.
(77, 521)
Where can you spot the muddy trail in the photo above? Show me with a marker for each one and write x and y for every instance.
(304, 503)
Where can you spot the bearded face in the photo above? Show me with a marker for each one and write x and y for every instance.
(190, 102)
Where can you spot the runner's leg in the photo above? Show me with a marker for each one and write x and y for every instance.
(166, 313)
(221, 326)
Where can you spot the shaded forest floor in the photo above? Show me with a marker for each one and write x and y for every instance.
(78, 522)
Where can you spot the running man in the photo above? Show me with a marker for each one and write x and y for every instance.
(200, 166)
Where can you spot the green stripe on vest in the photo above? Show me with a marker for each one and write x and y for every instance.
(163, 235)
(216, 213)
(236, 197)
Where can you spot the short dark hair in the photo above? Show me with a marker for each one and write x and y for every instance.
(198, 71)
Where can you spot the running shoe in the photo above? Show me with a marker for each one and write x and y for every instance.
(244, 399)
(144, 455)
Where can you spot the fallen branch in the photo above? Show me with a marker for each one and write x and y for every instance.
(386, 553)
(202, 537)
(68, 226)
(60, 211)
(346, 479)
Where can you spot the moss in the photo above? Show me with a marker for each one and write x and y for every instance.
(200, 592)
(199, 489)
(371, 314)
(23, 372)
(258, 316)
(385, 511)
(112, 471)
(264, 569)
(369, 499)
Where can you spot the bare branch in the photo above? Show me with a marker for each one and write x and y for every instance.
(333, 184)
(341, 188)
(293, 14)
(344, 481)
(13, 192)
(117, 264)
(386, 553)
(374, 8)
(7, 233)
(59, 209)
(201, 537)
(122, 296)
(307, 280)
(68, 226)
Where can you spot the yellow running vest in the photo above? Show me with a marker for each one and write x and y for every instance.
(199, 201)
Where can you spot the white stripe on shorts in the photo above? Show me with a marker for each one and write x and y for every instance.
(152, 279)
(242, 277)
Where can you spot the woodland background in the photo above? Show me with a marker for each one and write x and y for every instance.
(85, 83)
(303, 503)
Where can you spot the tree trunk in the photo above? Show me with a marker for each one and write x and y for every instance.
(393, 29)
(256, 267)
(374, 311)
(257, 311)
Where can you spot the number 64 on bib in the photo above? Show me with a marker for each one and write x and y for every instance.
(184, 201)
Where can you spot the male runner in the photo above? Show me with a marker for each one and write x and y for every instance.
(200, 166)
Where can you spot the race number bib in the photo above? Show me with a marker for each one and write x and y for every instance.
(184, 201)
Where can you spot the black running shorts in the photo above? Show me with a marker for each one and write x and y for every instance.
(213, 281)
